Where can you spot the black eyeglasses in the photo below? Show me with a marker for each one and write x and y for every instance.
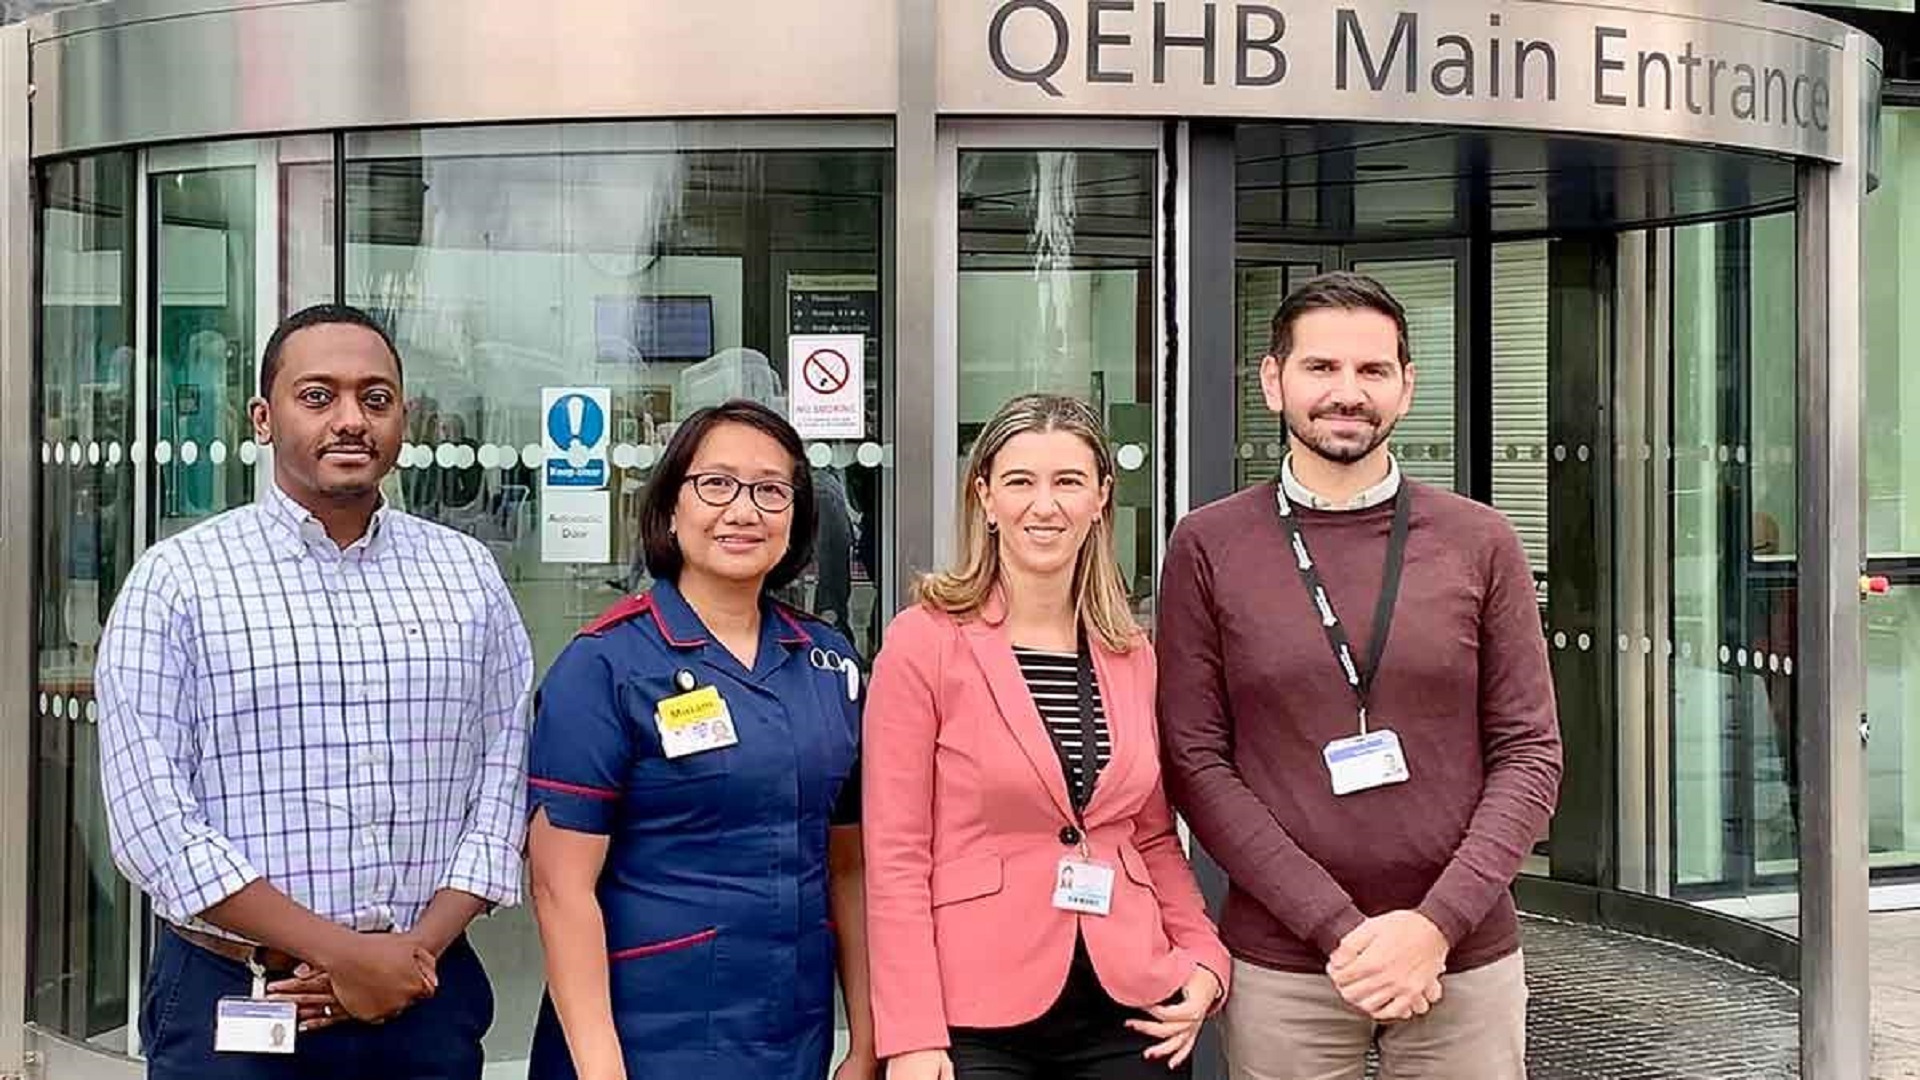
(719, 489)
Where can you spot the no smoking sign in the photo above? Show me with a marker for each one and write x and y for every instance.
(825, 376)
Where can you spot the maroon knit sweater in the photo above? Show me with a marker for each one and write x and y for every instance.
(1250, 694)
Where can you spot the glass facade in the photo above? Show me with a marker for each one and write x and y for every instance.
(667, 263)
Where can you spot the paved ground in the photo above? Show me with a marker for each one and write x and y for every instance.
(1894, 940)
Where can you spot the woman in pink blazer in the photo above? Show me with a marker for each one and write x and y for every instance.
(1030, 912)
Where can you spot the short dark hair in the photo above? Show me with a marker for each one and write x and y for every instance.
(1338, 290)
(317, 315)
(663, 491)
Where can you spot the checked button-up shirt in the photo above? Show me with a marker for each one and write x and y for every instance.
(350, 725)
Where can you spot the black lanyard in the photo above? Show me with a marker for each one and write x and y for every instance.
(1089, 728)
(1360, 679)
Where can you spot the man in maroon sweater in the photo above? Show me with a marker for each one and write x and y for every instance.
(1369, 793)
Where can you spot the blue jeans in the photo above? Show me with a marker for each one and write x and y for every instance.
(437, 1039)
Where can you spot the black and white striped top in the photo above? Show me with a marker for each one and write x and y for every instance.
(1053, 680)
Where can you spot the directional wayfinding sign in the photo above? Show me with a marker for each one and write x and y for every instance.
(575, 509)
(826, 383)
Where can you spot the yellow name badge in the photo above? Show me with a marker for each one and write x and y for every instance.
(694, 722)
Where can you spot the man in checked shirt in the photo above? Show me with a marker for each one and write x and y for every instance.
(313, 746)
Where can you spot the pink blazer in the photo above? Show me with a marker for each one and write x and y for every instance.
(964, 807)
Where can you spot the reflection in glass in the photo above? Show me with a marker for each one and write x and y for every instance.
(1423, 442)
(81, 905)
(205, 342)
(508, 261)
(1734, 762)
(1890, 274)
(1057, 294)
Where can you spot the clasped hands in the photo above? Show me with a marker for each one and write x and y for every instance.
(1389, 966)
(372, 978)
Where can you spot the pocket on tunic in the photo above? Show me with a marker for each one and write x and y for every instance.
(663, 992)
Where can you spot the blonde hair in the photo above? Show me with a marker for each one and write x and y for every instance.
(1099, 595)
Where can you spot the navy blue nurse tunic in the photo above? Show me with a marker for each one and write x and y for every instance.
(721, 946)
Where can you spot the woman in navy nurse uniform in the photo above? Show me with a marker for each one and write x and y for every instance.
(694, 847)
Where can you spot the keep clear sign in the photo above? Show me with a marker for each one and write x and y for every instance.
(575, 508)
(825, 379)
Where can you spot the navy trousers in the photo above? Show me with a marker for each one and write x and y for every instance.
(436, 1039)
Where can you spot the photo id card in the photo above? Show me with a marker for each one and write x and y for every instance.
(695, 722)
(1084, 886)
(250, 1026)
(1364, 762)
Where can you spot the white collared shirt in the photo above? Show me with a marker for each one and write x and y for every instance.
(348, 724)
(1380, 493)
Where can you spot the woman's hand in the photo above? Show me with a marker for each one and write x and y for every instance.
(1177, 1026)
(921, 1065)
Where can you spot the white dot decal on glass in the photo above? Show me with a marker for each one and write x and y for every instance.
(217, 452)
(1686, 650)
(623, 456)
(819, 455)
(1725, 453)
(1586, 642)
(114, 453)
(1273, 451)
(1740, 454)
(1131, 457)
(1559, 639)
(1786, 665)
(464, 457)
(93, 453)
(43, 703)
(869, 454)
(137, 453)
(59, 453)
(647, 455)
(1625, 643)
(1740, 658)
(93, 712)
(1560, 453)
(533, 455)
(59, 707)
(73, 453)
(1726, 654)
(489, 456)
(162, 452)
(445, 455)
(1773, 661)
(189, 452)
(249, 452)
(1646, 646)
(46, 453)
(1583, 453)
(1759, 663)
(1246, 451)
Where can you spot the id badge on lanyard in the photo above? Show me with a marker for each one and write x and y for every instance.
(255, 1025)
(1373, 758)
(1082, 883)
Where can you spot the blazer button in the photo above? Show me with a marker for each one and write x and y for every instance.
(1069, 836)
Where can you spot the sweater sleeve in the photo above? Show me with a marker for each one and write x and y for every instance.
(1196, 733)
(1520, 741)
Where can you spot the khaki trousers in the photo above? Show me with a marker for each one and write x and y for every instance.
(1284, 1026)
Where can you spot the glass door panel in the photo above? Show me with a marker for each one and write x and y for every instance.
(507, 261)
(1057, 292)
(1429, 289)
(204, 280)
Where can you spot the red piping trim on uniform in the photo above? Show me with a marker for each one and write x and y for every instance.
(664, 946)
(660, 621)
(797, 634)
(574, 789)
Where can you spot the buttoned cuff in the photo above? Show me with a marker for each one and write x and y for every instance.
(207, 871)
(485, 868)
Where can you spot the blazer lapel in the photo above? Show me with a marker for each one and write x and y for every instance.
(994, 653)
(1120, 703)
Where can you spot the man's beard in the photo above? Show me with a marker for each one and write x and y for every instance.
(1336, 450)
